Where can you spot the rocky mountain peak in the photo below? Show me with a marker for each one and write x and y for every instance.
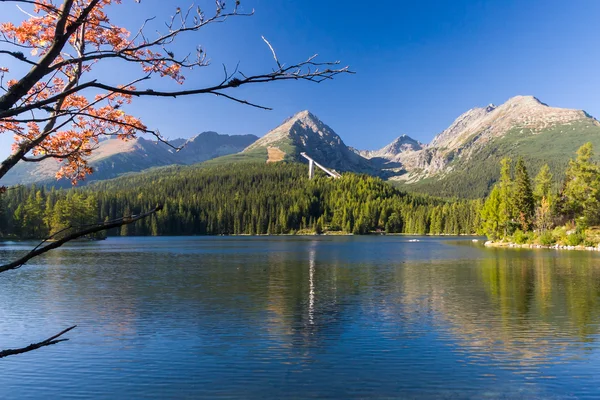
(491, 107)
(405, 142)
(456, 132)
(300, 129)
(208, 145)
(524, 100)
(306, 123)
(478, 128)
(519, 112)
(302, 116)
(305, 132)
(401, 144)
(305, 115)
(208, 134)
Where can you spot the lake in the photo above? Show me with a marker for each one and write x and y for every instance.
(299, 317)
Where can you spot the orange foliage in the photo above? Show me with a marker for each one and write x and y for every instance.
(79, 121)
(54, 112)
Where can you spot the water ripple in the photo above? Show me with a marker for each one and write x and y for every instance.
(300, 318)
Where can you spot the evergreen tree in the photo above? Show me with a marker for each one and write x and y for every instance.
(543, 184)
(582, 186)
(543, 215)
(58, 217)
(125, 228)
(523, 196)
(490, 215)
(394, 223)
(319, 226)
(154, 226)
(505, 187)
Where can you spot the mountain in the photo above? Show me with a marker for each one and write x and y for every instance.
(390, 159)
(520, 117)
(391, 152)
(114, 157)
(209, 145)
(304, 132)
(463, 159)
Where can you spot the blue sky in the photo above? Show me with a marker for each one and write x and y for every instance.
(419, 64)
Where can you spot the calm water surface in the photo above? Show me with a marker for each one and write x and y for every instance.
(328, 317)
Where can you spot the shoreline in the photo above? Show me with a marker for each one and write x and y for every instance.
(511, 245)
(332, 233)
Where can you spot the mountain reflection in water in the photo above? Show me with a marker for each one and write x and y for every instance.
(299, 317)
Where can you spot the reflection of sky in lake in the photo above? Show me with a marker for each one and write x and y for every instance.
(294, 316)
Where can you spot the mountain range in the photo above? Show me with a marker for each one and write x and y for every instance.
(463, 160)
(115, 157)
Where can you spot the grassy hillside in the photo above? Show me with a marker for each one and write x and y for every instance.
(474, 177)
(255, 156)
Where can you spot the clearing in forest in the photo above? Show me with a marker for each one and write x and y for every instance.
(275, 154)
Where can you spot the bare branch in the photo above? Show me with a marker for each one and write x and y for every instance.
(19, 56)
(47, 7)
(273, 51)
(34, 346)
(41, 249)
(129, 52)
(298, 71)
(245, 102)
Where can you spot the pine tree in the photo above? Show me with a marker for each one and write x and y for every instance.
(319, 226)
(18, 221)
(505, 187)
(394, 223)
(125, 228)
(543, 184)
(490, 215)
(59, 217)
(153, 226)
(523, 196)
(582, 186)
(543, 215)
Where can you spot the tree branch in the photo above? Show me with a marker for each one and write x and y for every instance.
(53, 155)
(35, 3)
(300, 71)
(41, 249)
(22, 87)
(34, 346)
(19, 56)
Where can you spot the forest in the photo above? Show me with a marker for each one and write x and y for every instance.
(236, 199)
(263, 199)
(519, 210)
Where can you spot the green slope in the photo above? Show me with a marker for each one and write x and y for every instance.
(474, 177)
